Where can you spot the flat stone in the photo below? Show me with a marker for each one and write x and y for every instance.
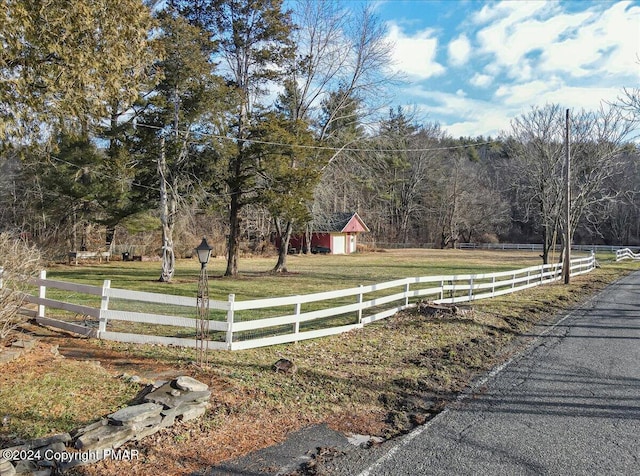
(22, 467)
(135, 414)
(163, 396)
(190, 384)
(104, 437)
(81, 431)
(54, 448)
(150, 429)
(42, 442)
(6, 468)
(8, 355)
(41, 472)
(149, 422)
(194, 411)
(24, 344)
(71, 459)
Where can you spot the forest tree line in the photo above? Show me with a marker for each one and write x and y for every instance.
(243, 121)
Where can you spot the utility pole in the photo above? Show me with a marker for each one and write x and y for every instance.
(566, 265)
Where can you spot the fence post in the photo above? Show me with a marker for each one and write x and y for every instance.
(360, 300)
(470, 289)
(296, 325)
(104, 306)
(43, 293)
(229, 337)
(493, 286)
(406, 294)
(441, 289)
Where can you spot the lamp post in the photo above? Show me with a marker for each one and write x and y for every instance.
(202, 322)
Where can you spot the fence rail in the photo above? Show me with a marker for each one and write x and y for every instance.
(144, 317)
(502, 246)
(627, 254)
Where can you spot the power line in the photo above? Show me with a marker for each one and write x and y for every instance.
(327, 148)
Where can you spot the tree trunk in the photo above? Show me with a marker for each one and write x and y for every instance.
(167, 214)
(307, 241)
(285, 238)
(233, 245)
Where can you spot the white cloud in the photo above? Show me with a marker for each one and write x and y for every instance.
(607, 41)
(525, 53)
(489, 123)
(480, 80)
(513, 10)
(415, 55)
(527, 93)
(459, 50)
(524, 39)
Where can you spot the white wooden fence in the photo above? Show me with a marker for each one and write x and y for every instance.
(273, 320)
(627, 254)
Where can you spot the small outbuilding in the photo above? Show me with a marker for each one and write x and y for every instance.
(336, 234)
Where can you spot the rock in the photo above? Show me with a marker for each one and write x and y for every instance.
(104, 437)
(158, 384)
(42, 442)
(190, 384)
(24, 344)
(8, 355)
(285, 366)
(6, 468)
(56, 447)
(72, 459)
(153, 425)
(81, 431)
(164, 396)
(28, 467)
(134, 414)
(194, 411)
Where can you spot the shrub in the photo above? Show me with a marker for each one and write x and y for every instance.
(19, 262)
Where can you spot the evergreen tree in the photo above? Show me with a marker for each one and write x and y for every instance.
(253, 38)
(62, 62)
(173, 132)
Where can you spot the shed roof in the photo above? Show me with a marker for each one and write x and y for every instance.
(341, 222)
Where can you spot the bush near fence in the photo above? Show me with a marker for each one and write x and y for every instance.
(152, 318)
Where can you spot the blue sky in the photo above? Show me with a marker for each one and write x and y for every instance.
(472, 66)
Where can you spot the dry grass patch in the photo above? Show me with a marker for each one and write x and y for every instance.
(43, 393)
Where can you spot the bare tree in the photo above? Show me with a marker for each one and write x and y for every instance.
(537, 158)
(341, 63)
(598, 139)
(599, 146)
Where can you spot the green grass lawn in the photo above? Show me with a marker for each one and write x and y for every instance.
(308, 273)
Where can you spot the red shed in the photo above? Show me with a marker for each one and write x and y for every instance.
(337, 234)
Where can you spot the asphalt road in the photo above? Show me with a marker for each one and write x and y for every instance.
(569, 405)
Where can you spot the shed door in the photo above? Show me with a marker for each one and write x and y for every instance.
(339, 244)
(352, 243)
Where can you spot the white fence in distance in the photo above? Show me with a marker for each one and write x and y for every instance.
(627, 254)
(297, 317)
